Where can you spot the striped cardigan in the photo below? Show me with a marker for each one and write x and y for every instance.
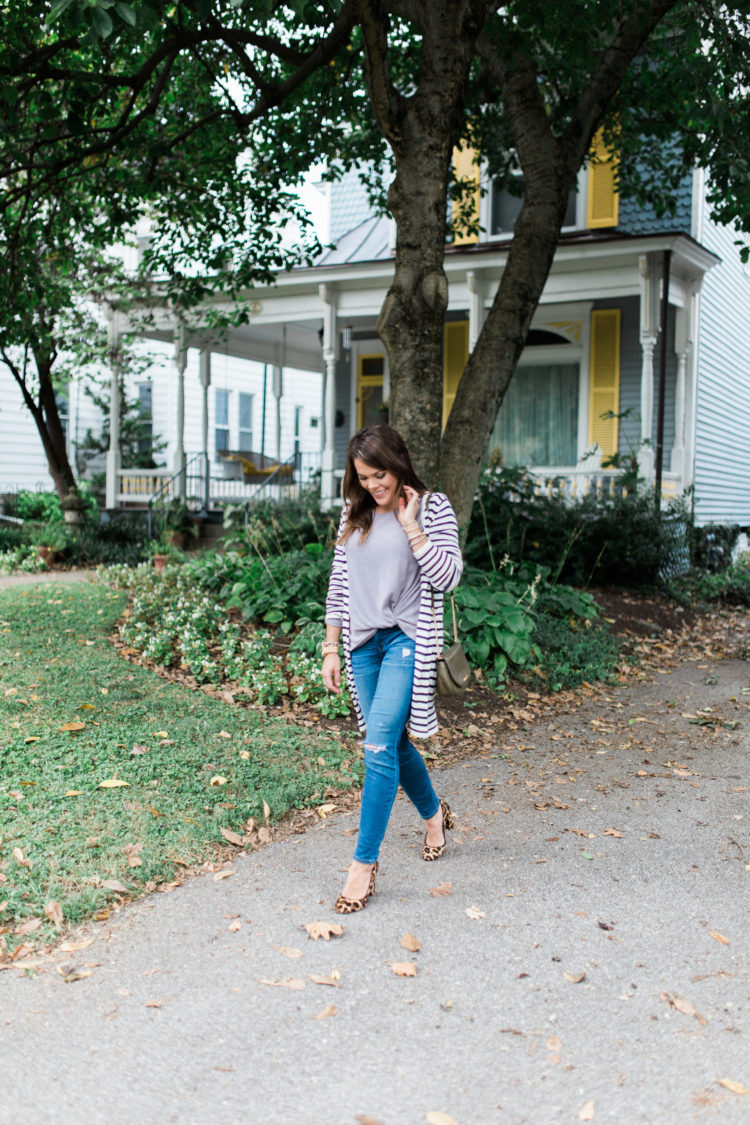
(441, 566)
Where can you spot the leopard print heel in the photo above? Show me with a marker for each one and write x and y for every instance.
(344, 905)
(434, 851)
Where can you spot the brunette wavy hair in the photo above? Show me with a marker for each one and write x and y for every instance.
(383, 448)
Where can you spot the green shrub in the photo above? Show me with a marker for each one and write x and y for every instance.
(514, 619)
(711, 546)
(702, 587)
(573, 649)
(280, 589)
(617, 541)
(274, 528)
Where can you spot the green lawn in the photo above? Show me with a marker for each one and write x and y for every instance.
(149, 779)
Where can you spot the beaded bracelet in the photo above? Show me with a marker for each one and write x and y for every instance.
(329, 647)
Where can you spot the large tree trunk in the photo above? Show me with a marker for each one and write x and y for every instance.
(43, 409)
(422, 128)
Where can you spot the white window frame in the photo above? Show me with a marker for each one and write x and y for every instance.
(485, 207)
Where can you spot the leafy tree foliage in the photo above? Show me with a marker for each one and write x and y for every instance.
(237, 97)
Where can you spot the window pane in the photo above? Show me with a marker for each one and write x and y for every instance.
(222, 408)
(506, 208)
(537, 423)
(373, 411)
(246, 412)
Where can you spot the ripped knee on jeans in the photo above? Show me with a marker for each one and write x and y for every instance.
(373, 748)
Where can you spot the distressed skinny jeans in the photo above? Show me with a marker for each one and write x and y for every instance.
(383, 670)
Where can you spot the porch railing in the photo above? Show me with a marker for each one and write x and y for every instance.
(604, 484)
(225, 484)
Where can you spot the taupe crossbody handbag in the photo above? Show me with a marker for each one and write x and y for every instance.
(453, 674)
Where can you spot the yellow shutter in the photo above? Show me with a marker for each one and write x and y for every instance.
(604, 379)
(455, 355)
(602, 204)
(465, 169)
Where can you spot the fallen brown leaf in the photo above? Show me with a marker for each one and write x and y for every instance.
(734, 1087)
(613, 832)
(475, 913)
(71, 973)
(75, 946)
(235, 926)
(113, 783)
(410, 942)
(288, 951)
(441, 889)
(719, 937)
(325, 930)
(73, 726)
(329, 1010)
(587, 1111)
(222, 875)
(114, 885)
(53, 911)
(403, 968)
(437, 1117)
(295, 983)
(684, 1006)
(232, 837)
(332, 982)
(28, 926)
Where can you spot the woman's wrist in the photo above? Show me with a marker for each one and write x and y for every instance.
(329, 648)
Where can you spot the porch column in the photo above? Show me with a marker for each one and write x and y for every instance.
(205, 372)
(180, 362)
(114, 334)
(278, 392)
(683, 393)
(328, 491)
(649, 333)
(475, 283)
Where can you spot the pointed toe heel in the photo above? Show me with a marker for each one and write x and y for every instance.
(345, 905)
(431, 852)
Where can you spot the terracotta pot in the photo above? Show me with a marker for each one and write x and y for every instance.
(160, 561)
(48, 554)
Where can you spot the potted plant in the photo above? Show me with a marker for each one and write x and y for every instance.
(50, 540)
(163, 550)
(179, 522)
(73, 506)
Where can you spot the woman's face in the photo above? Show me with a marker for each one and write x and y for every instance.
(380, 483)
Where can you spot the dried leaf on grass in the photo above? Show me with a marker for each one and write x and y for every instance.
(325, 930)
(53, 911)
(222, 875)
(113, 783)
(114, 885)
(232, 837)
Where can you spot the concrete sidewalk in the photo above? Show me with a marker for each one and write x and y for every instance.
(76, 575)
(583, 951)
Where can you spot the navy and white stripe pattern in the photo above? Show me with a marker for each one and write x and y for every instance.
(441, 566)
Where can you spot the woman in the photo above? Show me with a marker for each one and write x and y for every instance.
(396, 553)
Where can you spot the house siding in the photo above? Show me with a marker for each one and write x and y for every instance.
(722, 437)
(636, 220)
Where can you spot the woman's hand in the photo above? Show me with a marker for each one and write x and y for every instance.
(408, 505)
(332, 672)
